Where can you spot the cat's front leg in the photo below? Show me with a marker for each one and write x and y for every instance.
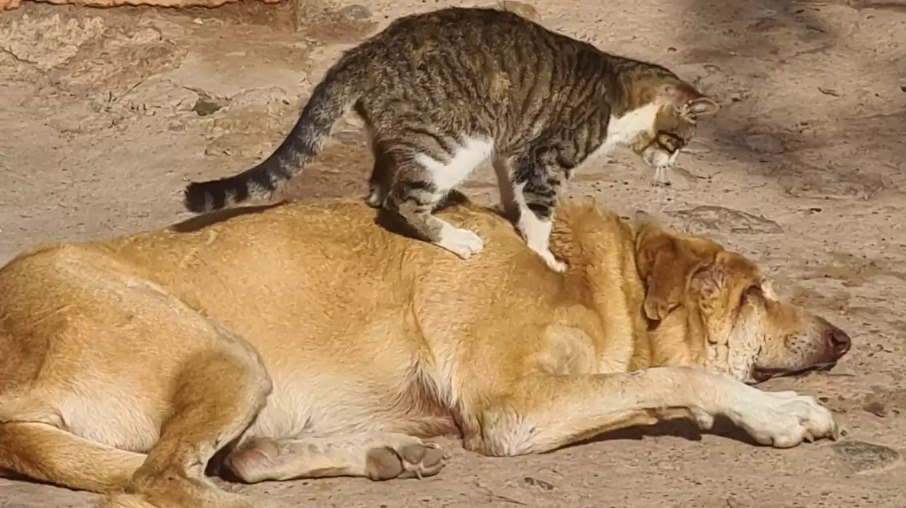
(536, 185)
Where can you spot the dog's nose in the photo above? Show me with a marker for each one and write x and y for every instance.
(838, 341)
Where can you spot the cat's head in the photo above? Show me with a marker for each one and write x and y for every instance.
(667, 121)
(713, 307)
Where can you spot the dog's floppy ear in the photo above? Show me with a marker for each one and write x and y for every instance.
(665, 264)
(709, 280)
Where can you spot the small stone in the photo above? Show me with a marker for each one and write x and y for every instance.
(864, 457)
(541, 484)
(205, 107)
(355, 11)
(732, 502)
(520, 9)
(829, 91)
(764, 143)
(876, 407)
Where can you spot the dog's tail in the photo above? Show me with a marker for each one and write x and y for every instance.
(332, 98)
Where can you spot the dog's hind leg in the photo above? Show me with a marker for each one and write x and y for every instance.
(544, 412)
(378, 456)
(50, 454)
(126, 365)
(215, 397)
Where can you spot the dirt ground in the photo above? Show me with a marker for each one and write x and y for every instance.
(106, 114)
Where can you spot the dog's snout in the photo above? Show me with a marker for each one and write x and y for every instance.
(837, 340)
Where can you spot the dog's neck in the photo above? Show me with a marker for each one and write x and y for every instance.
(594, 250)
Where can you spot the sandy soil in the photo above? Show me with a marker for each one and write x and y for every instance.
(105, 114)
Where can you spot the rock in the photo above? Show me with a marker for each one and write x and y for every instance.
(717, 218)
(520, 9)
(893, 5)
(49, 41)
(876, 407)
(355, 11)
(205, 106)
(865, 457)
(764, 143)
(11, 4)
(541, 484)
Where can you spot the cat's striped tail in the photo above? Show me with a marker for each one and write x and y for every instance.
(331, 99)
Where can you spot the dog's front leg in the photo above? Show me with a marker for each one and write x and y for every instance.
(546, 412)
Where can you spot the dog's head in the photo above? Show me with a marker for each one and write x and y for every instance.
(710, 306)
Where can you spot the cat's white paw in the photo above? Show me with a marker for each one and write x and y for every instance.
(552, 262)
(785, 419)
(462, 242)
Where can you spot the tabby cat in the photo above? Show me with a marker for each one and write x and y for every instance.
(443, 91)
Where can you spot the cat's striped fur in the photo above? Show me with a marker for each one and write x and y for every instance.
(443, 91)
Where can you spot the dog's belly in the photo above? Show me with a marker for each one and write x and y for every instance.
(323, 405)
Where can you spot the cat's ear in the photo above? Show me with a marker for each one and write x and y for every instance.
(698, 107)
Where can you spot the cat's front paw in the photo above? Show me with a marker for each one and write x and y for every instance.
(462, 242)
(552, 262)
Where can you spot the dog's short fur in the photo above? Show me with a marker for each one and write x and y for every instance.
(305, 342)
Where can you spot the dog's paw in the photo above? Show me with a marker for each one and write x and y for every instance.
(786, 419)
(254, 460)
(462, 242)
(410, 457)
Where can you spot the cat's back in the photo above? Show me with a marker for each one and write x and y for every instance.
(471, 24)
(476, 34)
(470, 70)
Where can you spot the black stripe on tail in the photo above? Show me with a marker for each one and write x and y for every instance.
(332, 98)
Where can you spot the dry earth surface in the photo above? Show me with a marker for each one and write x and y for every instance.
(106, 114)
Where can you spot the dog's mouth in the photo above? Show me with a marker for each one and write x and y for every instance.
(761, 375)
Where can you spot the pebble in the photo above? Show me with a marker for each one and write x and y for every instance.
(876, 407)
(355, 11)
(541, 484)
(865, 457)
(519, 8)
(764, 143)
(205, 107)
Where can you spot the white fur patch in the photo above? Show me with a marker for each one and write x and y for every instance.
(537, 232)
(116, 419)
(623, 129)
(781, 419)
(768, 290)
(462, 242)
(471, 153)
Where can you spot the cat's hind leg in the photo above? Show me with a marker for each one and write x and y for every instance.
(421, 182)
(379, 181)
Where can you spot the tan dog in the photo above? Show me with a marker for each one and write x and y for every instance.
(304, 341)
